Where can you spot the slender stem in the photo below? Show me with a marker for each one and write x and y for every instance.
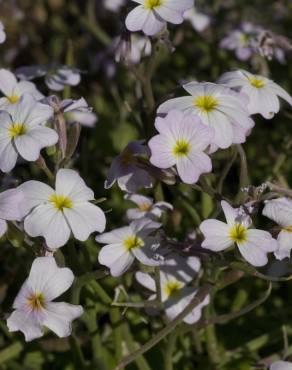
(158, 284)
(279, 189)
(211, 339)
(170, 349)
(200, 296)
(226, 170)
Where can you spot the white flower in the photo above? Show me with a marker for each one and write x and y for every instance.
(2, 33)
(218, 107)
(151, 16)
(280, 211)
(182, 141)
(34, 306)
(56, 213)
(198, 20)
(281, 365)
(127, 243)
(113, 5)
(132, 50)
(78, 111)
(146, 207)
(263, 93)
(13, 90)
(175, 295)
(253, 244)
(22, 132)
(10, 208)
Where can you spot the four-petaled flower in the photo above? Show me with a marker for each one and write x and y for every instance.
(127, 243)
(253, 244)
(23, 132)
(14, 90)
(54, 214)
(181, 141)
(34, 306)
(263, 93)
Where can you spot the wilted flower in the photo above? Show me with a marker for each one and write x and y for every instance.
(78, 111)
(10, 208)
(13, 90)
(34, 306)
(2, 33)
(130, 49)
(198, 20)
(263, 93)
(127, 243)
(126, 171)
(146, 207)
(175, 295)
(23, 132)
(253, 244)
(151, 16)
(218, 107)
(280, 211)
(181, 142)
(56, 76)
(54, 214)
(281, 365)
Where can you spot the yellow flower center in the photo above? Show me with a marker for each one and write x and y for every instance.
(60, 202)
(238, 233)
(171, 288)
(36, 301)
(181, 148)
(151, 4)
(256, 82)
(133, 242)
(206, 103)
(288, 228)
(16, 129)
(144, 207)
(13, 99)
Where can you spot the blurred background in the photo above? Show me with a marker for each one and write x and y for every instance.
(221, 36)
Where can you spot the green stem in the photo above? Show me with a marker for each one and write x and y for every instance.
(211, 339)
(200, 296)
(171, 341)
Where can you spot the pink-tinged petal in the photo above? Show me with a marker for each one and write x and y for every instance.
(169, 14)
(110, 254)
(216, 235)
(229, 212)
(8, 82)
(30, 144)
(281, 365)
(153, 24)
(145, 280)
(195, 315)
(11, 205)
(180, 104)
(191, 167)
(58, 317)
(170, 126)
(268, 104)
(253, 254)
(8, 155)
(161, 152)
(50, 223)
(84, 218)
(223, 133)
(114, 236)
(278, 90)
(121, 265)
(262, 239)
(25, 87)
(23, 322)
(3, 227)
(284, 245)
(70, 184)
(136, 18)
(279, 210)
(35, 193)
(54, 282)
